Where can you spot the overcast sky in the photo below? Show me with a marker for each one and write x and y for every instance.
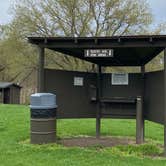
(158, 9)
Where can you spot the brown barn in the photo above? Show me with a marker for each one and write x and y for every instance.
(9, 93)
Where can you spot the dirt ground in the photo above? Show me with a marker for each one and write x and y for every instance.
(92, 141)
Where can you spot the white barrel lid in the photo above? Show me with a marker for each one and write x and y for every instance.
(43, 101)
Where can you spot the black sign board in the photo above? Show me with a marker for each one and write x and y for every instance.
(99, 53)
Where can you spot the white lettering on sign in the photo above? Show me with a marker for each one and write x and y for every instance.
(99, 53)
(120, 79)
(78, 81)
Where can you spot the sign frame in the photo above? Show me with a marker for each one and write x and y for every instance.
(99, 53)
(120, 78)
(78, 81)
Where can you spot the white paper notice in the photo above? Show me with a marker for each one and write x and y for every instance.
(120, 79)
(78, 81)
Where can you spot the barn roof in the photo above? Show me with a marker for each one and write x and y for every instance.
(128, 50)
(4, 85)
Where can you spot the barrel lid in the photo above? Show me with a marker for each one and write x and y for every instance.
(42, 94)
(43, 101)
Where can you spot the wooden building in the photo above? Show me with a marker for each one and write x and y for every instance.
(9, 93)
(117, 95)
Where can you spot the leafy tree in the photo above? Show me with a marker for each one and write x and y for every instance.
(82, 18)
(79, 18)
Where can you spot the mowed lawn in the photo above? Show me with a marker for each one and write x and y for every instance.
(15, 148)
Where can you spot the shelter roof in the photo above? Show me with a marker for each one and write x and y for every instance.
(128, 50)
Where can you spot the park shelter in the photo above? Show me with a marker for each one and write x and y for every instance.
(9, 93)
(142, 98)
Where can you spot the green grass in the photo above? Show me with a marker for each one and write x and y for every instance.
(16, 150)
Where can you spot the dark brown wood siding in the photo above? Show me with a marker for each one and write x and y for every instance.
(154, 96)
(75, 101)
(14, 95)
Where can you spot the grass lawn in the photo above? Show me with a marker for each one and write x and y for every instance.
(15, 148)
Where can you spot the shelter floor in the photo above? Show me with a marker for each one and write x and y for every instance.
(92, 141)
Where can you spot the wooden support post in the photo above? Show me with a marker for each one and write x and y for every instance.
(98, 112)
(165, 102)
(143, 70)
(139, 122)
(143, 97)
(40, 87)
